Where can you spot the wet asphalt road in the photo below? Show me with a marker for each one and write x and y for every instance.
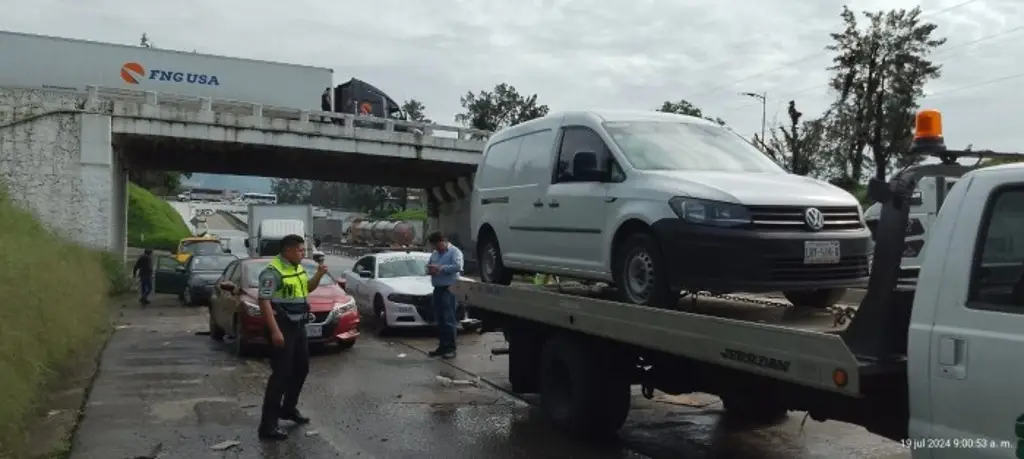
(164, 391)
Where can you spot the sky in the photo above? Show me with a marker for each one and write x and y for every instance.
(578, 53)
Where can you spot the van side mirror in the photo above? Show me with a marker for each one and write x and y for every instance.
(585, 167)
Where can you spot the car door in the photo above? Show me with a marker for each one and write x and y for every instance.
(169, 276)
(222, 299)
(575, 208)
(529, 181)
(359, 288)
(975, 371)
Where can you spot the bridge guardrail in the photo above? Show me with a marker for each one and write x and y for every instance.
(97, 95)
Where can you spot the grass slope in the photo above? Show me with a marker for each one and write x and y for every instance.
(55, 301)
(152, 222)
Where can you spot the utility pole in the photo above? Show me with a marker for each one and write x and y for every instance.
(763, 97)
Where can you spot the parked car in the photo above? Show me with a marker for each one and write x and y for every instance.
(197, 245)
(655, 203)
(394, 289)
(235, 309)
(200, 276)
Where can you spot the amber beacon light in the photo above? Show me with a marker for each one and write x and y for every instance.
(928, 131)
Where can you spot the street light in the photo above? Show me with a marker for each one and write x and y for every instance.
(763, 97)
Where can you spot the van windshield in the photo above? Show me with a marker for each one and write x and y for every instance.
(673, 146)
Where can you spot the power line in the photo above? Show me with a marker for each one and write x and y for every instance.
(942, 52)
(810, 56)
(975, 85)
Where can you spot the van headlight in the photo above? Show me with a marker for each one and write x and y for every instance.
(713, 213)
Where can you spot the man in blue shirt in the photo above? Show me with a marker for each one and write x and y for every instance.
(444, 267)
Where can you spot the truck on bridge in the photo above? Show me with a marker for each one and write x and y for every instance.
(152, 69)
(931, 364)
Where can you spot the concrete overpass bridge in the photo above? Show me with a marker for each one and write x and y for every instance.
(64, 155)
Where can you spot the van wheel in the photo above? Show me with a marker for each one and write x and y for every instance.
(492, 269)
(815, 299)
(580, 394)
(640, 274)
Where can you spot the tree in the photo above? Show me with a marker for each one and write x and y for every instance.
(502, 107)
(798, 147)
(291, 191)
(879, 74)
(415, 110)
(684, 107)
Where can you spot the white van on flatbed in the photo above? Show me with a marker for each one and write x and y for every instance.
(936, 366)
(656, 203)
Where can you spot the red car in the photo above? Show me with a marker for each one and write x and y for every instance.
(235, 311)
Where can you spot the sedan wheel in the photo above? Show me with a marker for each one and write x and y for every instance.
(240, 347)
(186, 297)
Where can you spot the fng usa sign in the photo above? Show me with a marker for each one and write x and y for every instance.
(133, 72)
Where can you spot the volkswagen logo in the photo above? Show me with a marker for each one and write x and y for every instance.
(814, 219)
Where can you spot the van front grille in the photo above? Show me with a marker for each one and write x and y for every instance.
(791, 218)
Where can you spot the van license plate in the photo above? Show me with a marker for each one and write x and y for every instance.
(314, 331)
(821, 252)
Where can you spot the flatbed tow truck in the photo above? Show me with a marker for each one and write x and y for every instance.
(934, 365)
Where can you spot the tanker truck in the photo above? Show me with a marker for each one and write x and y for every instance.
(377, 233)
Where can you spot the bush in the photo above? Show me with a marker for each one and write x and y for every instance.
(152, 222)
(55, 302)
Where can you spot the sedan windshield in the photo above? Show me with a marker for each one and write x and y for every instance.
(672, 146)
(211, 263)
(256, 267)
(402, 267)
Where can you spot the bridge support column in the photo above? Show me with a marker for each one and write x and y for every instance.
(448, 207)
(61, 167)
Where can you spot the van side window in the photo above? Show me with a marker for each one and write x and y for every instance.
(498, 163)
(997, 276)
(575, 139)
(534, 161)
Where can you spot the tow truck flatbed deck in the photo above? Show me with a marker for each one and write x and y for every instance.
(802, 347)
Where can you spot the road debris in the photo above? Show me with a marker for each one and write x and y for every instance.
(225, 445)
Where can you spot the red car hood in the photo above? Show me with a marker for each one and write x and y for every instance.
(320, 300)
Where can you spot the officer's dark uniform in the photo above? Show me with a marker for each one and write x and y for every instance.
(287, 287)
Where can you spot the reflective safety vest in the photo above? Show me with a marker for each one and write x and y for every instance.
(290, 296)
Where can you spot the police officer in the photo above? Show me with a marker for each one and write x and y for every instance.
(283, 289)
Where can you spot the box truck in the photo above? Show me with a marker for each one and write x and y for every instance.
(45, 62)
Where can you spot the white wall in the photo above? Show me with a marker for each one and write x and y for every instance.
(53, 170)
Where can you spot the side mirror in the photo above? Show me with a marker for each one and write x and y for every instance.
(364, 274)
(227, 286)
(247, 243)
(180, 268)
(585, 167)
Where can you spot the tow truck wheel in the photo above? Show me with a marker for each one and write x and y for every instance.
(524, 357)
(640, 274)
(492, 269)
(815, 299)
(580, 394)
(754, 408)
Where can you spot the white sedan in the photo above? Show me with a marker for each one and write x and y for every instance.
(394, 288)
